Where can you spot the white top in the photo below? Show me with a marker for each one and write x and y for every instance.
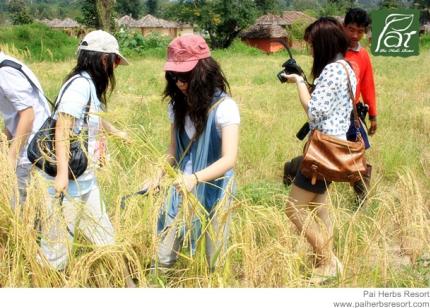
(227, 113)
(74, 102)
(17, 94)
(330, 105)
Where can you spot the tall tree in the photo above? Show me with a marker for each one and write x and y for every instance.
(267, 6)
(151, 6)
(89, 16)
(128, 7)
(105, 10)
(422, 4)
(98, 14)
(222, 20)
(19, 12)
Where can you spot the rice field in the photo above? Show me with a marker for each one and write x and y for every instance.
(384, 244)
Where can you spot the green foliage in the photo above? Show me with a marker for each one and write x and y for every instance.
(41, 9)
(301, 5)
(335, 8)
(89, 16)
(239, 48)
(128, 7)
(221, 20)
(425, 41)
(151, 7)
(134, 43)
(297, 29)
(391, 4)
(267, 6)
(19, 12)
(41, 42)
(105, 14)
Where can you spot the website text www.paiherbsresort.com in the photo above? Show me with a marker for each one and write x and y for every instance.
(388, 299)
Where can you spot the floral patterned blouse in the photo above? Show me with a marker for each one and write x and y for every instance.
(330, 105)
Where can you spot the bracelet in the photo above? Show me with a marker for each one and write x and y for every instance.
(197, 179)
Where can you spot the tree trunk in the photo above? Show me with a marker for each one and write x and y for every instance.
(104, 12)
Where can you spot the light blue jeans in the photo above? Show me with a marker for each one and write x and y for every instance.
(216, 237)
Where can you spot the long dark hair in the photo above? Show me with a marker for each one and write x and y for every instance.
(102, 75)
(204, 80)
(328, 39)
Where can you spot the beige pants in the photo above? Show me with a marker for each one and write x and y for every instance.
(87, 212)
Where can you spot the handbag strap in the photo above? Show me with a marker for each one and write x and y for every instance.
(87, 107)
(187, 149)
(17, 66)
(351, 96)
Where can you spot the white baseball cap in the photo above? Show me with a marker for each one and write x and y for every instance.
(102, 41)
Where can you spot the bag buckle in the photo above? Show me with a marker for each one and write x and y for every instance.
(314, 174)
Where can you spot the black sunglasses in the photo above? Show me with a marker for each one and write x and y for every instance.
(182, 77)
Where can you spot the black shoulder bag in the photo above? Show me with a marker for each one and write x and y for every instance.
(41, 150)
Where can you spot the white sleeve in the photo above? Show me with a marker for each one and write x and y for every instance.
(17, 89)
(227, 113)
(170, 113)
(75, 99)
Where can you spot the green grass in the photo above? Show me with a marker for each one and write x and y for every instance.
(425, 41)
(38, 42)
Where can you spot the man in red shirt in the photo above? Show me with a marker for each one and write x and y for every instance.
(356, 23)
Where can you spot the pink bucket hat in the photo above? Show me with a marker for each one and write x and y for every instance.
(184, 52)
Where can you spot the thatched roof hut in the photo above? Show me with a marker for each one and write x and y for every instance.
(149, 21)
(270, 19)
(51, 23)
(150, 24)
(292, 17)
(68, 25)
(126, 21)
(266, 33)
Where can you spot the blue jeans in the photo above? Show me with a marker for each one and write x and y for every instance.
(351, 134)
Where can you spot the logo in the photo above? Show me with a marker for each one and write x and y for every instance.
(395, 32)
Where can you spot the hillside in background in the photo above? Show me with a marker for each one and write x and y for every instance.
(50, 9)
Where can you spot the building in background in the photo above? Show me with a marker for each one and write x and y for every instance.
(265, 33)
(151, 24)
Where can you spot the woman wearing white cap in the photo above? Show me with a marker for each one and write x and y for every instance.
(81, 98)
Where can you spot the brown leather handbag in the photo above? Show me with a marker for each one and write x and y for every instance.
(332, 159)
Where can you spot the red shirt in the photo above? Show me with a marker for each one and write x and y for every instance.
(364, 72)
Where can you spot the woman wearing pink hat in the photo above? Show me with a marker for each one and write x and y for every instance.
(204, 144)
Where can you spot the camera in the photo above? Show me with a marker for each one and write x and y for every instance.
(290, 67)
(362, 111)
(304, 131)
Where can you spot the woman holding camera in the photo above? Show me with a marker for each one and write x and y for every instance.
(328, 110)
(203, 145)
